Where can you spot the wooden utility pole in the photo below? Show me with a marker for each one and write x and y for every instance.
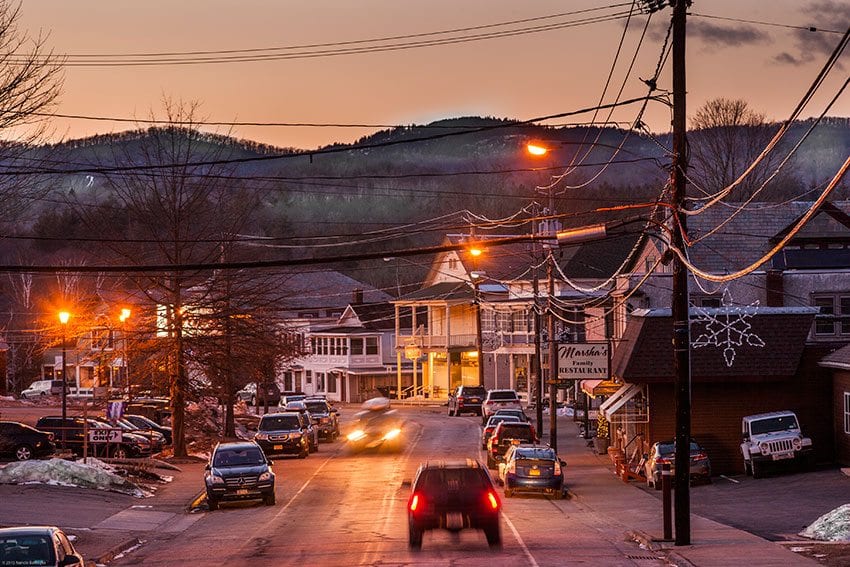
(681, 330)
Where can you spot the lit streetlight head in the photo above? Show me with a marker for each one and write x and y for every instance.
(125, 314)
(476, 251)
(536, 149)
(64, 316)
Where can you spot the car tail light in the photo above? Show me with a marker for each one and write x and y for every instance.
(699, 456)
(557, 468)
(492, 500)
(664, 461)
(415, 503)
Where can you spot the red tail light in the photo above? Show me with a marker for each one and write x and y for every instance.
(415, 502)
(50, 436)
(664, 461)
(699, 456)
(492, 500)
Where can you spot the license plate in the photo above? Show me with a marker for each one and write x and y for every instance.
(278, 447)
(242, 492)
(474, 400)
(780, 456)
(454, 521)
(534, 472)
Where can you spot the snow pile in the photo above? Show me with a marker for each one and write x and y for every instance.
(96, 474)
(832, 526)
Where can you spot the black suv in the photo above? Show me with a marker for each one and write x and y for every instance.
(238, 471)
(24, 442)
(285, 433)
(75, 428)
(466, 399)
(324, 417)
(453, 496)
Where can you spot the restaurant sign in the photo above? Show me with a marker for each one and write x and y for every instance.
(584, 361)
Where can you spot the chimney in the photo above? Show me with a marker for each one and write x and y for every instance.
(775, 288)
(357, 296)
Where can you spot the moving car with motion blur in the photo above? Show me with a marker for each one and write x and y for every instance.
(532, 468)
(284, 433)
(664, 452)
(376, 428)
(453, 496)
(37, 545)
(238, 471)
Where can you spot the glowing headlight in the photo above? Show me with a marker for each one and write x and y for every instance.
(356, 435)
(392, 434)
(265, 476)
(262, 436)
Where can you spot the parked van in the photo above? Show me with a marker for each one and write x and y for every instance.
(42, 388)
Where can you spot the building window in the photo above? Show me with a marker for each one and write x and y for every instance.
(708, 302)
(833, 318)
(356, 346)
(320, 382)
(332, 383)
(308, 376)
(847, 413)
(503, 322)
(453, 263)
(101, 339)
(371, 345)
(488, 320)
(520, 322)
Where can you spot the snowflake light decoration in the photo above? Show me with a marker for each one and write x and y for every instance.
(727, 327)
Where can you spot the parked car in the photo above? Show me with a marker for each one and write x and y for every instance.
(132, 444)
(284, 433)
(466, 399)
(664, 452)
(238, 471)
(43, 388)
(774, 437)
(499, 399)
(24, 442)
(37, 545)
(143, 422)
(75, 428)
(491, 426)
(156, 439)
(503, 437)
(453, 496)
(532, 468)
(267, 393)
(519, 413)
(324, 417)
(312, 432)
(289, 396)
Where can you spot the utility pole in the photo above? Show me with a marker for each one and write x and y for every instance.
(536, 368)
(681, 330)
(553, 344)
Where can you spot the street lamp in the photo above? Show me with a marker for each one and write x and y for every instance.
(125, 314)
(476, 278)
(64, 317)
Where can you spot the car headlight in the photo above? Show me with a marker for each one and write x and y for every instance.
(798, 443)
(262, 436)
(215, 479)
(392, 434)
(265, 476)
(356, 435)
(764, 448)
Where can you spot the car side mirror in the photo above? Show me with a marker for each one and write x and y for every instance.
(563, 463)
(70, 560)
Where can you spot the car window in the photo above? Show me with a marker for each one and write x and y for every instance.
(539, 453)
(515, 431)
(26, 550)
(474, 391)
(317, 407)
(273, 423)
(238, 457)
(452, 479)
(497, 419)
(506, 395)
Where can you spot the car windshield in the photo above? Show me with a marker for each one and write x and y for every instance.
(476, 391)
(497, 419)
(507, 395)
(781, 423)
(317, 407)
(670, 448)
(238, 457)
(539, 453)
(452, 479)
(26, 550)
(279, 422)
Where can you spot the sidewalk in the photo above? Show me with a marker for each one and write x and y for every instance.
(592, 483)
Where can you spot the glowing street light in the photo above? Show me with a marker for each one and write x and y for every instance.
(125, 314)
(536, 149)
(64, 317)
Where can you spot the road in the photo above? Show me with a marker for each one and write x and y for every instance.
(339, 509)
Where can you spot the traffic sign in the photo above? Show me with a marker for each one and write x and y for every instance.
(105, 435)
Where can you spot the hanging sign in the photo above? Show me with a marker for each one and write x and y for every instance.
(581, 361)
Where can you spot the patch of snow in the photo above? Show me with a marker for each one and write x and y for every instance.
(7, 398)
(58, 472)
(832, 526)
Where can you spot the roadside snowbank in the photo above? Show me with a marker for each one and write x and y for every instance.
(832, 526)
(95, 474)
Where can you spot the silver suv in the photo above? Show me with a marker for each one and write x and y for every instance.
(499, 399)
(773, 437)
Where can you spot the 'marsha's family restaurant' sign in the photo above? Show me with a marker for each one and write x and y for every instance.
(583, 361)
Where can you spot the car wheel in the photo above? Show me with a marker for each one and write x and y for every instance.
(494, 536)
(269, 499)
(656, 483)
(414, 538)
(23, 452)
(757, 468)
(747, 470)
(212, 503)
(120, 452)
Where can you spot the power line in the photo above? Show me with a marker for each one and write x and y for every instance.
(763, 23)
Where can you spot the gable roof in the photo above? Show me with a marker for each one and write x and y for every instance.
(645, 353)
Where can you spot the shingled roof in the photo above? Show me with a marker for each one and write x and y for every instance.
(645, 353)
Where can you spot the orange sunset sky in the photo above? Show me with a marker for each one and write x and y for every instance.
(554, 57)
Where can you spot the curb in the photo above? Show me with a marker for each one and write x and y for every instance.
(196, 501)
(117, 550)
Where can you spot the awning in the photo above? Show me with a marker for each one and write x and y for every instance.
(595, 388)
(619, 399)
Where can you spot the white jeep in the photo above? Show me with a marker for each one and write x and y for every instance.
(773, 437)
